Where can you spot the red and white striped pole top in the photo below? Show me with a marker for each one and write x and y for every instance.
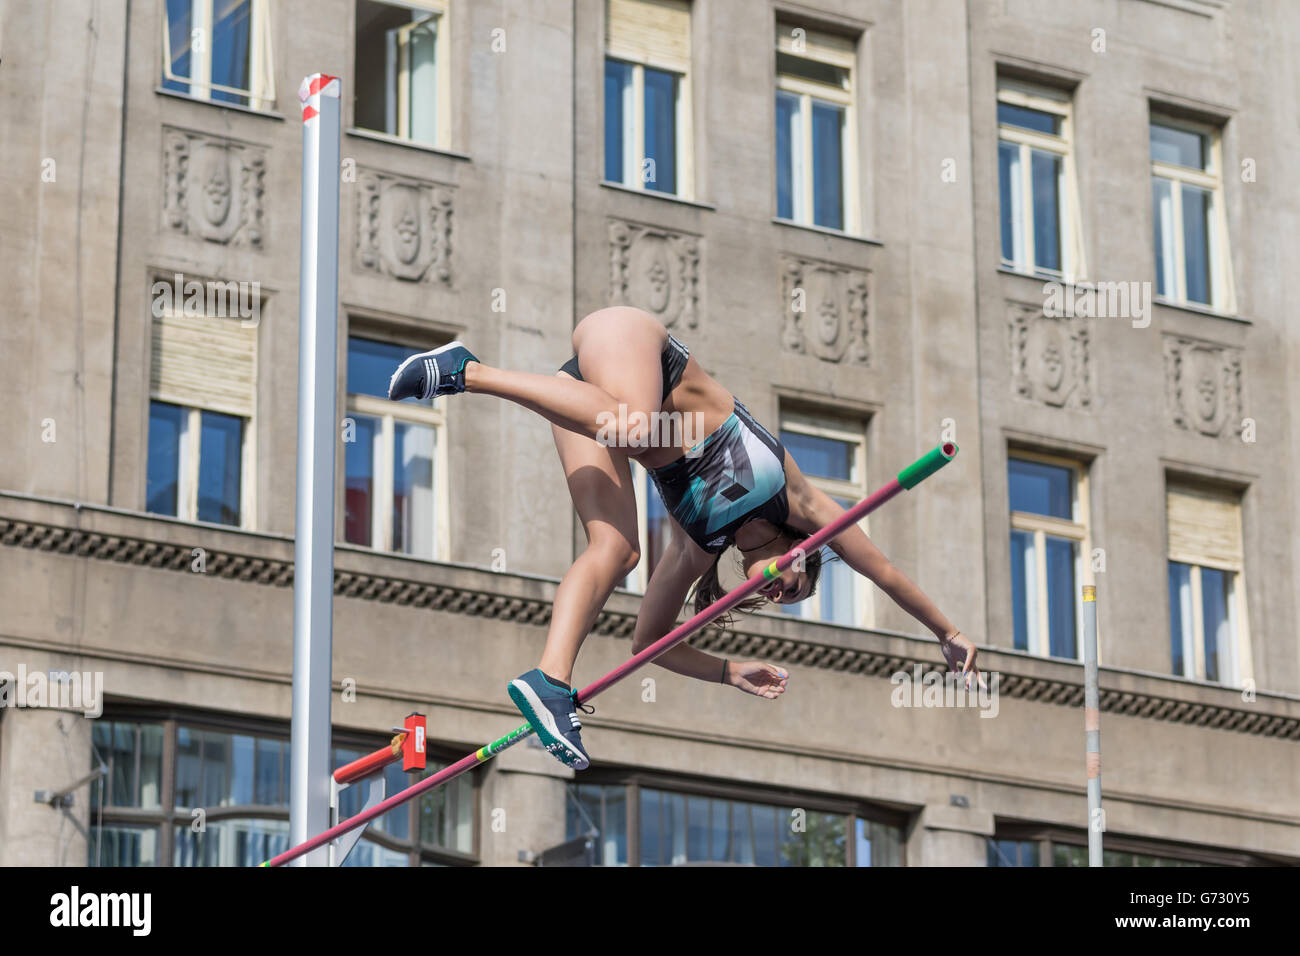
(312, 89)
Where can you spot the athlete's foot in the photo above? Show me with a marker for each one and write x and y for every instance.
(552, 710)
(440, 372)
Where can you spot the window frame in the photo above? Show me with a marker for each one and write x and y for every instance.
(167, 816)
(841, 429)
(1077, 530)
(1222, 290)
(852, 809)
(820, 50)
(261, 60)
(683, 112)
(1242, 658)
(389, 413)
(188, 455)
(396, 91)
(1059, 103)
(1048, 836)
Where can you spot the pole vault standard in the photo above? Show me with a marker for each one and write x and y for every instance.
(313, 553)
(909, 477)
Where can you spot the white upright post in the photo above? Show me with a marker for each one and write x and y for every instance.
(313, 573)
(1092, 725)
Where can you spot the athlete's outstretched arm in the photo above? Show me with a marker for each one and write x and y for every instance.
(812, 509)
(680, 566)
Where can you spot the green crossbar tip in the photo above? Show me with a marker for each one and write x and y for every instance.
(927, 465)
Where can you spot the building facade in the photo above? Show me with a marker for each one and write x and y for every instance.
(1056, 233)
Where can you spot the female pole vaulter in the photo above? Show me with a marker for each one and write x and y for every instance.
(731, 483)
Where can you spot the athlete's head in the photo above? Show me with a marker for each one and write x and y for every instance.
(796, 583)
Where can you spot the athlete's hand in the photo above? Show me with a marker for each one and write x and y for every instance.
(960, 654)
(755, 677)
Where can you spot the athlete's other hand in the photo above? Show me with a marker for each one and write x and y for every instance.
(960, 654)
(757, 678)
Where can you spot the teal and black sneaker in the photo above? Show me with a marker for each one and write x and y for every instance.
(440, 372)
(552, 709)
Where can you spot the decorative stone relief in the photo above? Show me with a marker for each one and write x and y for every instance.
(404, 228)
(212, 188)
(825, 310)
(655, 270)
(1203, 386)
(1051, 357)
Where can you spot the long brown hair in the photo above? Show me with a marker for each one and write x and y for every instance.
(709, 588)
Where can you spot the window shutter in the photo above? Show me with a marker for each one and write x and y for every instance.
(651, 32)
(823, 47)
(1204, 527)
(204, 362)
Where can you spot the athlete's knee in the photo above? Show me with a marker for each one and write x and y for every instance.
(615, 553)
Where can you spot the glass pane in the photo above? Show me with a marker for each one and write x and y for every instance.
(1196, 243)
(838, 591)
(1180, 618)
(413, 507)
(697, 846)
(1078, 856)
(151, 748)
(366, 853)
(789, 163)
(242, 749)
(886, 845)
(1024, 587)
(1162, 215)
(371, 365)
(1215, 587)
(220, 467)
(267, 791)
(1011, 199)
(180, 26)
(828, 165)
(719, 831)
(122, 766)
(396, 822)
(618, 88)
(120, 844)
(216, 773)
(861, 843)
(650, 827)
(821, 457)
(423, 90)
(231, 35)
(613, 839)
(675, 828)
(765, 835)
(1022, 116)
(742, 834)
(166, 430)
(1060, 597)
(1041, 489)
(1178, 146)
(660, 131)
(188, 768)
(359, 480)
(1045, 168)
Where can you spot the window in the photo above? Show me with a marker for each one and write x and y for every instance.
(219, 50)
(1031, 853)
(394, 461)
(240, 779)
(691, 827)
(403, 70)
(1049, 533)
(816, 129)
(202, 376)
(1207, 607)
(648, 95)
(831, 453)
(1188, 220)
(1039, 210)
(1013, 853)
